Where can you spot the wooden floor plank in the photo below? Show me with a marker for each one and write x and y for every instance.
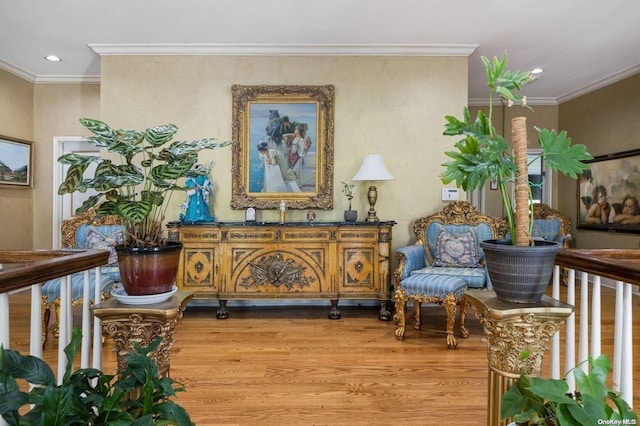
(291, 365)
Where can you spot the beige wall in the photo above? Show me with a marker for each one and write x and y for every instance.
(57, 108)
(393, 106)
(16, 121)
(389, 105)
(607, 122)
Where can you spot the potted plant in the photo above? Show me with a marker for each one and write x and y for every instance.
(138, 190)
(545, 401)
(87, 396)
(482, 154)
(349, 215)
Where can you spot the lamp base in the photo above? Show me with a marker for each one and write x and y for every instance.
(372, 195)
(372, 217)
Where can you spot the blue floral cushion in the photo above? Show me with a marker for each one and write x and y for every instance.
(101, 237)
(459, 250)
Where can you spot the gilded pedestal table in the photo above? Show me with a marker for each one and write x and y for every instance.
(512, 329)
(127, 324)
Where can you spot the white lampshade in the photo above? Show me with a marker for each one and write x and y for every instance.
(372, 168)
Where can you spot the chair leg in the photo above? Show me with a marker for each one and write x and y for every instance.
(56, 328)
(450, 303)
(399, 317)
(464, 307)
(46, 315)
(417, 311)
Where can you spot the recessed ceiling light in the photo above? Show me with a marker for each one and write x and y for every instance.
(52, 58)
(537, 71)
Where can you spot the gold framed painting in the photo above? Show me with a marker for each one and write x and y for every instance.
(283, 146)
(609, 193)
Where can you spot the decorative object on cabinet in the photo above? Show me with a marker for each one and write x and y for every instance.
(16, 163)
(284, 146)
(311, 216)
(88, 231)
(615, 178)
(349, 215)
(296, 260)
(198, 188)
(250, 215)
(372, 169)
(445, 260)
(138, 190)
(482, 154)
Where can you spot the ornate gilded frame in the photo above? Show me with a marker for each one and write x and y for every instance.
(249, 128)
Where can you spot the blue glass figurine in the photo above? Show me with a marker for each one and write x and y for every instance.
(199, 188)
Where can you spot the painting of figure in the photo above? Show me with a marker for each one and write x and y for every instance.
(608, 193)
(283, 154)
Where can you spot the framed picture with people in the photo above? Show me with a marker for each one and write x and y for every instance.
(283, 146)
(609, 192)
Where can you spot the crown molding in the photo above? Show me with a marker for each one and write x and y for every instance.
(614, 78)
(18, 72)
(286, 49)
(67, 79)
(530, 101)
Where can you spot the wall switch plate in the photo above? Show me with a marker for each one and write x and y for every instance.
(450, 194)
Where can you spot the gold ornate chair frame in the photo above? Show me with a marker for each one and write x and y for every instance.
(455, 213)
(68, 229)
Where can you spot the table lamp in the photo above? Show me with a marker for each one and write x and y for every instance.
(372, 169)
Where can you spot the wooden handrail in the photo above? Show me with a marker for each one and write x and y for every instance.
(22, 268)
(616, 264)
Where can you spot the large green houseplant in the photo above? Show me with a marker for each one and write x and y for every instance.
(138, 190)
(483, 154)
(87, 396)
(545, 401)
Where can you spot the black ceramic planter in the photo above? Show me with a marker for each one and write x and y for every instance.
(520, 274)
(350, 215)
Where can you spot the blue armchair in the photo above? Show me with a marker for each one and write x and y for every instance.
(91, 232)
(445, 260)
(551, 225)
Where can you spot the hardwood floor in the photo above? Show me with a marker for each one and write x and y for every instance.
(291, 365)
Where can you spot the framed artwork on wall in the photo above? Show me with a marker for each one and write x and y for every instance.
(283, 146)
(608, 193)
(16, 160)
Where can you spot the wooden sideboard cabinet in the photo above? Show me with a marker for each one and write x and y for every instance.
(296, 260)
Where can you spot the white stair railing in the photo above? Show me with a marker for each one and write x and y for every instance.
(592, 267)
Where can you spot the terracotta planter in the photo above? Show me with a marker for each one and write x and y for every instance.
(520, 274)
(146, 271)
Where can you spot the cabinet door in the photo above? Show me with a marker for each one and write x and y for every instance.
(199, 272)
(280, 270)
(357, 268)
(198, 266)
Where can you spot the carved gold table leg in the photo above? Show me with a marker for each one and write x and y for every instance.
(512, 328)
(127, 324)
